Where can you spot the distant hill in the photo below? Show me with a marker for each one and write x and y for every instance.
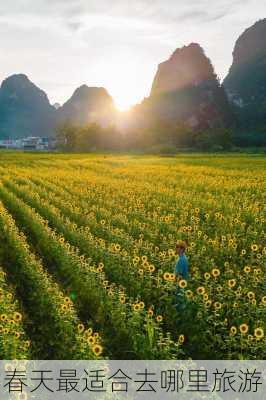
(185, 93)
(246, 84)
(88, 104)
(24, 109)
(186, 88)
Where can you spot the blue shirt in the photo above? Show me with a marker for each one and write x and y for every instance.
(181, 267)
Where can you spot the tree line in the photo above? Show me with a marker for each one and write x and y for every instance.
(161, 136)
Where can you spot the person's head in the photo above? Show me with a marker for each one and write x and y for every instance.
(181, 246)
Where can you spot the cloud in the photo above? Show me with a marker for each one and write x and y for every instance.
(73, 13)
(70, 41)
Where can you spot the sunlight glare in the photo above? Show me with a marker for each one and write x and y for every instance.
(123, 81)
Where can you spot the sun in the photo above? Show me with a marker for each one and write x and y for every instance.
(123, 102)
(122, 79)
(125, 91)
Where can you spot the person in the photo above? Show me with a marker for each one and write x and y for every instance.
(181, 272)
(181, 268)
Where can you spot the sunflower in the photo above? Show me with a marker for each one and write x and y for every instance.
(136, 307)
(3, 317)
(200, 290)
(172, 277)
(67, 300)
(251, 295)
(189, 294)
(171, 252)
(150, 312)
(88, 332)
(254, 247)
(231, 283)
(91, 340)
(81, 328)
(17, 317)
(257, 271)
(97, 349)
(166, 276)
(117, 247)
(145, 264)
(216, 272)
(247, 269)
(243, 328)
(263, 300)
(182, 283)
(207, 275)
(208, 303)
(233, 330)
(141, 304)
(259, 333)
(217, 305)
(159, 318)
(181, 339)
(63, 307)
(151, 268)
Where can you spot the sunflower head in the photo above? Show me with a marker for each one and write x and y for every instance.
(231, 283)
(182, 283)
(167, 276)
(233, 330)
(97, 350)
(216, 272)
(243, 329)
(200, 290)
(159, 318)
(207, 275)
(136, 307)
(17, 316)
(181, 339)
(81, 328)
(259, 333)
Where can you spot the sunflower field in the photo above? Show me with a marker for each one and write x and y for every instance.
(87, 256)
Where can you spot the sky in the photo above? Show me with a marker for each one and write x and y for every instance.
(117, 44)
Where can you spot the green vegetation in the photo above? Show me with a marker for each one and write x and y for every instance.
(87, 256)
(161, 137)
